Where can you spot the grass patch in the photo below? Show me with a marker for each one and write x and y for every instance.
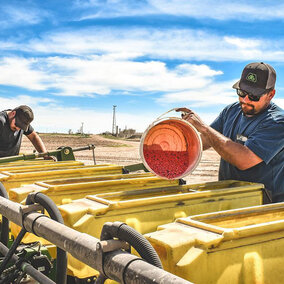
(109, 136)
(120, 145)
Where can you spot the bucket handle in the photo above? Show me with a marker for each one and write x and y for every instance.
(167, 112)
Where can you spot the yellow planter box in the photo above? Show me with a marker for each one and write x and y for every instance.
(235, 246)
(22, 168)
(15, 178)
(28, 162)
(63, 191)
(145, 210)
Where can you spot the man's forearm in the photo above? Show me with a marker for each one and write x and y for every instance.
(205, 142)
(234, 153)
(37, 142)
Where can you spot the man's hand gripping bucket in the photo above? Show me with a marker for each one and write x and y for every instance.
(171, 147)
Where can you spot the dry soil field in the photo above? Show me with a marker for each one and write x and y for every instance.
(121, 152)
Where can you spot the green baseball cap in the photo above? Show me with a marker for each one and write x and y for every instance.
(24, 116)
(257, 78)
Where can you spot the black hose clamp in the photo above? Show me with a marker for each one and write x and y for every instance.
(33, 223)
(126, 267)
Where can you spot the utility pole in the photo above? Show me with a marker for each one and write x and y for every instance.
(113, 120)
(81, 129)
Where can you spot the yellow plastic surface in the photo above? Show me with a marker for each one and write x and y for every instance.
(28, 162)
(65, 190)
(65, 193)
(145, 210)
(40, 166)
(13, 179)
(236, 246)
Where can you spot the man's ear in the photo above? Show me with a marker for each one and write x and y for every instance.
(271, 94)
(12, 114)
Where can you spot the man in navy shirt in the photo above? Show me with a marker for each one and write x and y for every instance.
(249, 134)
(13, 124)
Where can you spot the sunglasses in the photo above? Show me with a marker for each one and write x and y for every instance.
(253, 98)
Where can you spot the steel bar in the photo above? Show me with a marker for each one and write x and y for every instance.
(40, 155)
(118, 265)
(88, 147)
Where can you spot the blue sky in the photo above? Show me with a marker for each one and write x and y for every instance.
(71, 61)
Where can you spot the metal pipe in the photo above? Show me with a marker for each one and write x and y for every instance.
(53, 153)
(18, 158)
(33, 156)
(127, 268)
(88, 147)
(120, 266)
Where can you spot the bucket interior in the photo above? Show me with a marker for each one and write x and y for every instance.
(171, 148)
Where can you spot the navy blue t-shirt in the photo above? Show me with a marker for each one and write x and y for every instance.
(263, 134)
(10, 141)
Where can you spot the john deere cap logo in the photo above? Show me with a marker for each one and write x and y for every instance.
(251, 77)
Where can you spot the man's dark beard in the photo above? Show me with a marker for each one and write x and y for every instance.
(250, 112)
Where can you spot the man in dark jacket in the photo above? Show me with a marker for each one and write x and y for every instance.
(13, 124)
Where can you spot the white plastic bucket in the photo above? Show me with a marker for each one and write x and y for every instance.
(171, 148)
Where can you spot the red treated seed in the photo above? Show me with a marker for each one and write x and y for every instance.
(168, 164)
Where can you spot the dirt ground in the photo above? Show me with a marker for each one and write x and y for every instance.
(121, 152)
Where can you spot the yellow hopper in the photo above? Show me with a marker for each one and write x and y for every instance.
(236, 246)
(16, 168)
(63, 191)
(13, 179)
(146, 209)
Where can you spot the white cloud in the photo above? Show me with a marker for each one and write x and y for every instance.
(11, 103)
(115, 67)
(243, 43)
(114, 8)
(210, 95)
(220, 10)
(183, 44)
(20, 15)
(100, 75)
(206, 9)
(21, 72)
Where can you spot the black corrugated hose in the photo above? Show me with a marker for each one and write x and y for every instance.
(5, 222)
(125, 233)
(136, 240)
(52, 210)
(12, 250)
